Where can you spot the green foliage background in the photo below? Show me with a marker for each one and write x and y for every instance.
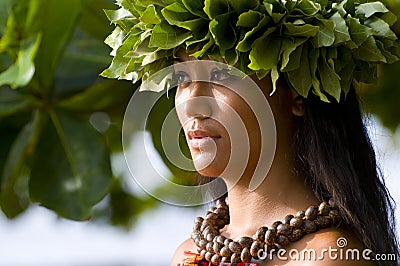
(52, 150)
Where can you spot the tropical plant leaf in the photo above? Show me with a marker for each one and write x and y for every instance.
(71, 169)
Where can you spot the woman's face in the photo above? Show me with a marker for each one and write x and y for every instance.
(221, 128)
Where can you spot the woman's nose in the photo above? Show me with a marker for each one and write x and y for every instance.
(199, 103)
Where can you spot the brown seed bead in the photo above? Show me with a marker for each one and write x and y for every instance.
(211, 216)
(221, 223)
(270, 236)
(235, 247)
(225, 259)
(216, 259)
(311, 213)
(275, 224)
(213, 208)
(209, 247)
(287, 219)
(221, 212)
(208, 256)
(324, 208)
(197, 226)
(220, 202)
(245, 256)
(245, 241)
(210, 237)
(202, 243)
(309, 226)
(227, 241)
(255, 247)
(220, 239)
(203, 227)
(217, 247)
(296, 234)
(335, 216)
(322, 222)
(203, 253)
(235, 257)
(296, 222)
(284, 229)
(260, 234)
(282, 240)
(300, 214)
(226, 252)
(198, 219)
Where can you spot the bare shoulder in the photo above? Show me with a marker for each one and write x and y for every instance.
(187, 245)
(328, 247)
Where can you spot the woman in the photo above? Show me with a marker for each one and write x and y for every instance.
(316, 141)
(323, 195)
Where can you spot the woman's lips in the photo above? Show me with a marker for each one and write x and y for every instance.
(201, 138)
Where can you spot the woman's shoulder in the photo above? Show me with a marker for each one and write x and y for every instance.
(179, 255)
(328, 247)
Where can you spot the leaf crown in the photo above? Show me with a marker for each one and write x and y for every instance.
(319, 46)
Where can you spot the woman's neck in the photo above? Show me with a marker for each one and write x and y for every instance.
(281, 193)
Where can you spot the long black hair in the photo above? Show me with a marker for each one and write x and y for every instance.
(334, 151)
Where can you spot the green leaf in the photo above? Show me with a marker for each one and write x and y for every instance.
(100, 96)
(12, 102)
(390, 58)
(249, 19)
(358, 32)
(306, 30)
(116, 15)
(341, 32)
(120, 61)
(214, 8)
(300, 78)
(5, 12)
(293, 62)
(21, 72)
(381, 28)
(274, 79)
(70, 170)
(329, 79)
(245, 44)
(195, 7)
(368, 9)
(176, 14)
(223, 32)
(205, 48)
(64, 14)
(242, 5)
(307, 7)
(368, 51)
(14, 198)
(265, 52)
(325, 35)
(150, 16)
(288, 46)
(166, 36)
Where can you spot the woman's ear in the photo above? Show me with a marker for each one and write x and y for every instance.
(297, 104)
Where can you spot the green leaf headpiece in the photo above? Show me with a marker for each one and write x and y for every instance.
(320, 46)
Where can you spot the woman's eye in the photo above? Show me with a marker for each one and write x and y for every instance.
(220, 74)
(182, 77)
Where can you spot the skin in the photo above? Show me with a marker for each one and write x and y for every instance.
(282, 192)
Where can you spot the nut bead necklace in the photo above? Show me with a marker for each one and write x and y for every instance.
(216, 248)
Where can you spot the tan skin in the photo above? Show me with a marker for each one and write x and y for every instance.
(282, 192)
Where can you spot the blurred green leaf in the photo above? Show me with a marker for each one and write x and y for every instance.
(12, 102)
(21, 72)
(71, 169)
(14, 200)
(64, 14)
